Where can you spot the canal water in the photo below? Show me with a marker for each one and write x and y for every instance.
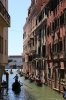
(29, 91)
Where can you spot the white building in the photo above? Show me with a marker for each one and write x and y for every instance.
(14, 61)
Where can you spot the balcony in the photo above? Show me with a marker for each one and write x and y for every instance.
(32, 49)
(4, 16)
(37, 56)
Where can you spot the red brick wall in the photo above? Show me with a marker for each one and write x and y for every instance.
(39, 4)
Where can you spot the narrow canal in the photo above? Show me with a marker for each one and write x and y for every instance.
(29, 91)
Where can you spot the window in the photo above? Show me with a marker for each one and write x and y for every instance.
(52, 26)
(65, 43)
(49, 72)
(62, 19)
(0, 44)
(37, 65)
(55, 23)
(39, 50)
(45, 29)
(48, 30)
(43, 50)
(60, 45)
(5, 47)
(55, 47)
(58, 22)
(44, 64)
(40, 17)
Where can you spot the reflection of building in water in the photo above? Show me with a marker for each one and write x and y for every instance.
(14, 61)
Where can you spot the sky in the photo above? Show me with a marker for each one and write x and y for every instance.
(18, 11)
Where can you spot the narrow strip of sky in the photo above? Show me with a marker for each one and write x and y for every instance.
(18, 10)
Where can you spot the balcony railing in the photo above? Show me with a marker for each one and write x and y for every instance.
(4, 16)
(32, 49)
(38, 56)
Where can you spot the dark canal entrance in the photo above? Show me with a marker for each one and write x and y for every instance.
(29, 91)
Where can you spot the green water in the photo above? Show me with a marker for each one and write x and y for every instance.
(29, 91)
(41, 93)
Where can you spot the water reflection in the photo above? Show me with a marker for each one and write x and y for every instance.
(29, 91)
(10, 95)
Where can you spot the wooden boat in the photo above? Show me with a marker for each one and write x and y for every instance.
(26, 76)
(21, 74)
(31, 79)
(11, 72)
(16, 87)
(38, 82)
(4, 84)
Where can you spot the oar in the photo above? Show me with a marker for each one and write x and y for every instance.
(26, 85)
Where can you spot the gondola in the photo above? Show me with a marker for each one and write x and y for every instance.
(38, 82)
(4, 84)
(11, 72)
(31, 79)
(16, 87)
(21, 74)
(26, 76)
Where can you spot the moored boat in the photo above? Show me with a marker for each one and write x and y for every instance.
(11, 72)
(38, 82)
(4, 84)
(26, 76)
(21, 75)
(31, 79)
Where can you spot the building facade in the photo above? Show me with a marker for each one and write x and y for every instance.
(28, 43)
(46, 43)
(14, 61)
(4, 24)
(56, 43)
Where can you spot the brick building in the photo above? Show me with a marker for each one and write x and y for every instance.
(45, 41)
(55, 43)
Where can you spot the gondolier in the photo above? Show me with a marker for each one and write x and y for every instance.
(16, 78)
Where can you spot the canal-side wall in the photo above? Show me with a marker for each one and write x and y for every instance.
(1, 73)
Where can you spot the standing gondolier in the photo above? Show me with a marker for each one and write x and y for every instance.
(16, 78)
